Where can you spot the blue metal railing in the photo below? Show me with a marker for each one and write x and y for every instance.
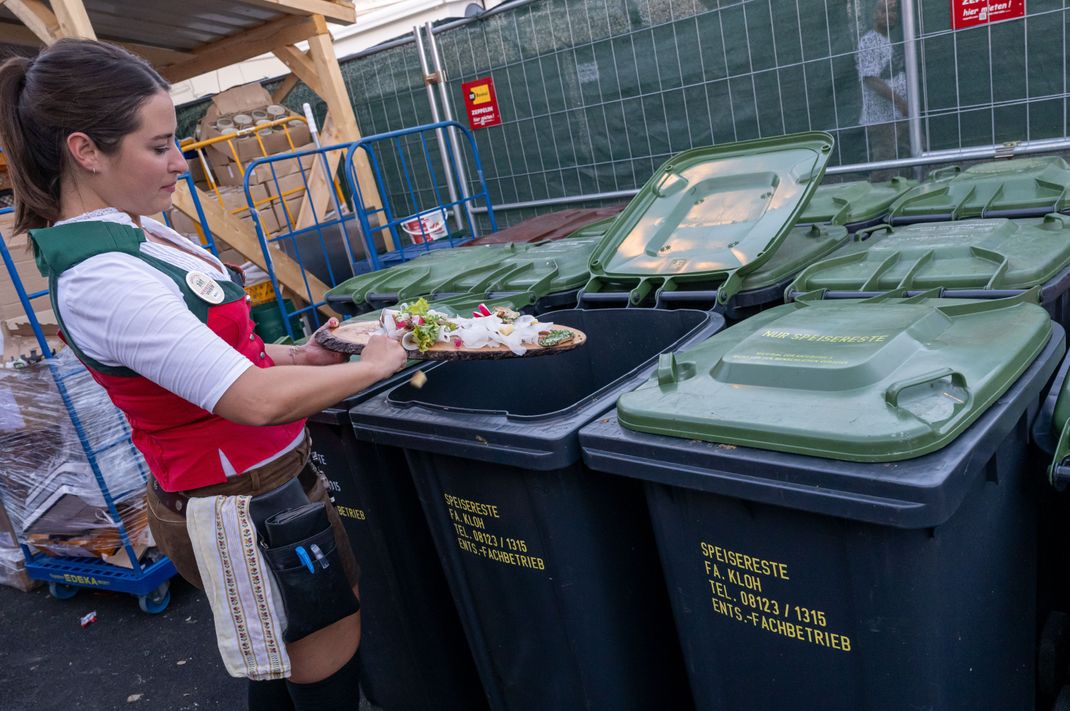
(323, 229)
(412, 214)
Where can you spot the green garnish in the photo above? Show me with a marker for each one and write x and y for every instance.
(555, 338)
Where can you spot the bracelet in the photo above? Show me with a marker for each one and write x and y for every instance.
(294, 350)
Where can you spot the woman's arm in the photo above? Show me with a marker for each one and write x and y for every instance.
(271, 396)
(311, 353)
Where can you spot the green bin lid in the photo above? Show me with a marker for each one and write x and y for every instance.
(872, 380)
(801, 247)
(855, 203)
(1006, 188)
(714, 212)
(532, 270)
(424, 274)
(970, 254)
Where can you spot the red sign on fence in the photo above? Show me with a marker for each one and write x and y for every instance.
(481, 103)
(968, 13)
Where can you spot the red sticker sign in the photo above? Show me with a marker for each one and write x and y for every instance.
(969, 13)
(481, 103)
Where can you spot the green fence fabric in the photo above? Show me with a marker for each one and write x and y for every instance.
(595, 94)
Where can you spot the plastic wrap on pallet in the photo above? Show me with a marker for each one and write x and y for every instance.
(47, 485)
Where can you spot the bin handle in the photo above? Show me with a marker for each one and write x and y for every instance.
(1059, 471)
(891, 395)
(945, 172)
(667, 371)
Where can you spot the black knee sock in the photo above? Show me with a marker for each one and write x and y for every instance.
(338, 692)
(269, 696)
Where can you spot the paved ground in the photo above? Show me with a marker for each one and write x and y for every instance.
(125, 660)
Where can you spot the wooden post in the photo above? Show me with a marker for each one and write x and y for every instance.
(73, 19)
(340, 127)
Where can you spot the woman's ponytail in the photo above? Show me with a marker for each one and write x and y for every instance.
(37, 195)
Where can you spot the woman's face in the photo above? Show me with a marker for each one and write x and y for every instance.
(140, 177)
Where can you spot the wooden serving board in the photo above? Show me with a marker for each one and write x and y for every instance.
(352, 337)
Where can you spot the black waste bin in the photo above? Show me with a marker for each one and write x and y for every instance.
(552, 565)
(843, 503)
(414, 655)
(1053, 576)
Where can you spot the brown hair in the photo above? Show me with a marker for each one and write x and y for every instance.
(73, 86)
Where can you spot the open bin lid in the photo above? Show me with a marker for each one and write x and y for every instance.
(878, 380)
(967, 255)
(714, 213)
(419, 276)
(855, 204)
(532, 272)
(1024, 187)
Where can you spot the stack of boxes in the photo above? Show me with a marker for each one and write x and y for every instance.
(277, 188)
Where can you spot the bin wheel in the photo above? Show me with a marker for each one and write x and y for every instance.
(156, 601)
(62, 591)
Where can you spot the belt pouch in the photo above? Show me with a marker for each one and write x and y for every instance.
(300, 550)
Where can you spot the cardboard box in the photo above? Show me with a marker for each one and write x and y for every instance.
(25, 266)
(269, 221)
(241, 99)
(288, 186)
(20, 325)
(277, 141)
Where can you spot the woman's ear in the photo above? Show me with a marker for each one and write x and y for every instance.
(84, 152)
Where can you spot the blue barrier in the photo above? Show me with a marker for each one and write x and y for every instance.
(437, 177)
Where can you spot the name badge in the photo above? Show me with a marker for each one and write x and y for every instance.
(205, 287)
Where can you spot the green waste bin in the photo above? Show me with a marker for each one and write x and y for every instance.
(415, 278)
(855, 205)
(269, 324)
(1023, 187)
(546, 276)
(552, 565)
(707, 220)
(1051, 439)
(965, 259)
(842, 502)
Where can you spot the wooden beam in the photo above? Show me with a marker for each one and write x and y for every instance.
(241, 235)
(341, 11)
(283, 90)
(36, 16)
(344, 127)
(10, 33)
(158, 56)
(73, 19)
(301, 65)
(236, 48)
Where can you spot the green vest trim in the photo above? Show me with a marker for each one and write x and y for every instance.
(57, 249)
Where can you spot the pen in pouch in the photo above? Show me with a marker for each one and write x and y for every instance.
(302, 554)
(322, 559)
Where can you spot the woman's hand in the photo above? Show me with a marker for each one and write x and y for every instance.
(312, 353)
(385, 354)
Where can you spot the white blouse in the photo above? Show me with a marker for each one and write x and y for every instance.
(121, 311)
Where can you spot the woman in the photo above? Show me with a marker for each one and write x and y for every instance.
(89, 133)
